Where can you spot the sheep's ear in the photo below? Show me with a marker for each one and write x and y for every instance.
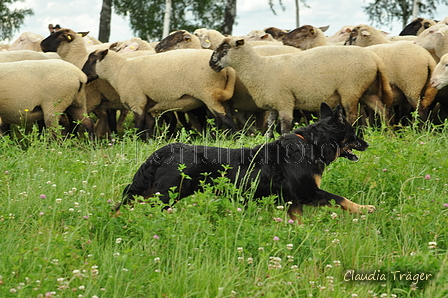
(264, 36)
(205, 41)
(69, 37)
(83, 33)
(325, 110)
(102, 54)
(365, 33)
(239, 42)
(324, 28)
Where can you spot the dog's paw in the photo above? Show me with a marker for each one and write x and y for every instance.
(369, 208)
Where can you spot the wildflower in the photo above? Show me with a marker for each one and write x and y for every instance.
(118, 240)
(432, 244)
(250, 260)
(240, 249)
(354, 295)
(335, 241)
(261, 249)
(240, 259)
(13, 290)
(116, 254)
(85, 217)
(276, 238)
(445, 205)
(291, 221)
(58, 200)
(239, 209)
(82, 288)
(41, 213)
(156, 237)
(329, 266)
(383, 295)
(157, 260)
(334, 215)
(169, 210)
(42, 196)
(6, 172)
(384, 170)
(280, 207)
(355, 220)
(412, 253)
(427, 177)
(278, 219)
(289, 246)
(337, 263)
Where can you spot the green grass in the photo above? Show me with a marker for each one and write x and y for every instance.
(59, 239)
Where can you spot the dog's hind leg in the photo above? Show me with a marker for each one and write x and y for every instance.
(294, 211)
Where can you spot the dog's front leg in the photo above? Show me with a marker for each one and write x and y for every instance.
(324, 198)
(352, 207)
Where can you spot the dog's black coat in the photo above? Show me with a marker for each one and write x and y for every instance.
(289, 167)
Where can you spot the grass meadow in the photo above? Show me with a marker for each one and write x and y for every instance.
(59, 239)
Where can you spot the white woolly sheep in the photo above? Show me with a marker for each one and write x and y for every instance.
(434, 40)
(26, 55)
(176, 80)
(276, 33)
(410, 78)
(303, 80)
(209, 38)
(306, 37)
(439, 78)
(71, 48)
(27, 41)
(259, 35)
(120, 45)
(341, 35)
(417, 26)
(42, 89)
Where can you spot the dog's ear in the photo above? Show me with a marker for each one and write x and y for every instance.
(338, 114)
(325, 110)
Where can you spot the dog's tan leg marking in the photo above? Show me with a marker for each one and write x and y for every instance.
(318, 179)
(293, 211)
(351, 207)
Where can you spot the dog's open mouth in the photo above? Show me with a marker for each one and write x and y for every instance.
(348, 153)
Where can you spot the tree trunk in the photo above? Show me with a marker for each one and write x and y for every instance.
(167, 19)
(297, 14)
(415, 9)
(105, 18)
(229, 17)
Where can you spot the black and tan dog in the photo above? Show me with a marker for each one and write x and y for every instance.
(290, 167)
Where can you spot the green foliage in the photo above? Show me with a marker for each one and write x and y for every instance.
(146, 17)
(11, 20)
(384, 12)
(60, 238)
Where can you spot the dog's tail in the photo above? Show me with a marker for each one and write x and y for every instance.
(140, 185)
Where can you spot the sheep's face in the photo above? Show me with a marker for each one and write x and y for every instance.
(439, 78)
(298, 37)
(52, 42)
(89, 67)
(219, 57)
(177, 40)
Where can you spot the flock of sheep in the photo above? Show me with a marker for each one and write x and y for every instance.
(268, 74)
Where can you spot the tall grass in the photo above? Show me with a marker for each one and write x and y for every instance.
(59, 238)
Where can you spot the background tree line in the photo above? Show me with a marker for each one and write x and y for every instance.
(147, 17)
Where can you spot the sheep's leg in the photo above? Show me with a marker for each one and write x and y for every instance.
(80, 114)
(374, 102)
(286, 120)
(270, 121)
